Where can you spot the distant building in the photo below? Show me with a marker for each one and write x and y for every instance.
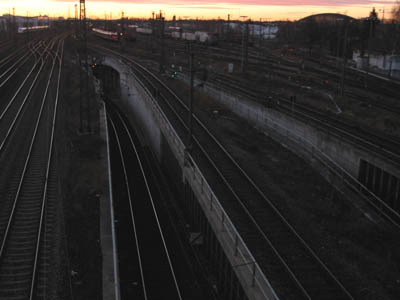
(23, 21)
(385, 64)
(327, 18)
(3, 24)
(266, 30)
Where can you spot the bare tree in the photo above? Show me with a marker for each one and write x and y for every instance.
(396, 12)
(394, 28)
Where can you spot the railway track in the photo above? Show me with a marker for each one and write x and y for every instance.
(354, 79)
(371, 140)
(384, 145)
(393, 107)
(282, 68)
(146, 270)
(28, 178)
(10, 65)
(4, 45)
(295, 270)
(380, 144)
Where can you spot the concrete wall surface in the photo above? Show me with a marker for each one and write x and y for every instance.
(135, 102)
(333, 148)
(138, 102)
(338, 159)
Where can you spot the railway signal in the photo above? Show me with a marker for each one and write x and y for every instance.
(84, 74)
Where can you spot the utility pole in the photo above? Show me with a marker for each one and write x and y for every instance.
(162, 50)
(229, 27)
(245, 44)
(27, 28)
(338, 47)
(342, 85)
(369, 53)
(121, 36)
(152, 32)
(84, 74)
(76, 21)
(191, 70)
(14, 29)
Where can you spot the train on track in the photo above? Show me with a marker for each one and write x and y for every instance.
(107, 35)
(32, 29)
(130, 34)
(176, 33)
(144, 31)
(201, 37)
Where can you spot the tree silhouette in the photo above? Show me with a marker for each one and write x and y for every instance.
(396, 12)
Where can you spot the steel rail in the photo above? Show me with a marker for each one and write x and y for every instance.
(244, 207)
(331, 71)
(25, 58)
(231, 189)
(152, 203)
(131, 208)
(383, 209)
(50, 151)
(34, 51)
(310, 113)
(326, 121)
(271, 205)
(5, 43)
(27, 76)
(11, 56)
(27, 160)
(236, 238)
(43, 63)
(6, 255)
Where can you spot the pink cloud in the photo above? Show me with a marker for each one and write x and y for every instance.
(253, 2)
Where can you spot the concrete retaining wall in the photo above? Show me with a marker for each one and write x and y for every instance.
(344, 153)
(314, 143)
(139, 103)
(136, 104)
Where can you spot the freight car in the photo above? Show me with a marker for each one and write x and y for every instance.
(201, 37)
(188, 36)
(176, 35)
(145, 31)
(206, 37)
(174, 32)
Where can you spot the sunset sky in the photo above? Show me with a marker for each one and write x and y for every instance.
(256, 9)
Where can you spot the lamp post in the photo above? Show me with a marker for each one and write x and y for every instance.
(245, 37)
